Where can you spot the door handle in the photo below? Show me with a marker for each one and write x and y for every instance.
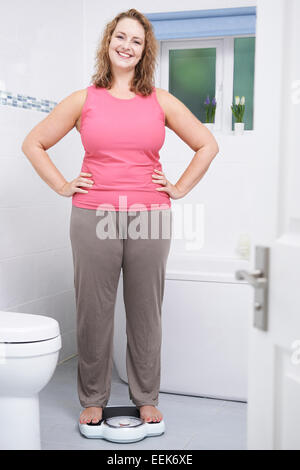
(255, 278)
(259, 279)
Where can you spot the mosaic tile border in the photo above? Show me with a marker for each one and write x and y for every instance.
(26, 102)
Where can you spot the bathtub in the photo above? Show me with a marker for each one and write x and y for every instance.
(206, 317)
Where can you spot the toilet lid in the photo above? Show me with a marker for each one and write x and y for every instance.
(26, 328)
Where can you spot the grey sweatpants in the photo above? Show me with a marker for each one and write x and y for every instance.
(97, 265)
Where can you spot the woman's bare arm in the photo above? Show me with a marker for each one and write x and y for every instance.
(50, 131)
(188, 127)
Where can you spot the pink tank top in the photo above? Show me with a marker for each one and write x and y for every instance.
(122, 139)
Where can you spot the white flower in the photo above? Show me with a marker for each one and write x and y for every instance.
(237, 100)
(243, 100)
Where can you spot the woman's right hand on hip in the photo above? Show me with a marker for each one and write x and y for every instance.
(69, 189)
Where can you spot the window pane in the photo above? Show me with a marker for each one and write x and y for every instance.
(243, 84)
(192, 76)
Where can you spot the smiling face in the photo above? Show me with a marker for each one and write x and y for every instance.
(128, 38)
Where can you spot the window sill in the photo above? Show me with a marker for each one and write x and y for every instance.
(232, 134)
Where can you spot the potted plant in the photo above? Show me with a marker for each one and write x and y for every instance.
(238, 110)
(210, 112)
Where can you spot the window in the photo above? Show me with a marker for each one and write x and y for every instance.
(222, 68)
(243, 85)
(193, 73)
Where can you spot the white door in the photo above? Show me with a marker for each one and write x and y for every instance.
(274, 359)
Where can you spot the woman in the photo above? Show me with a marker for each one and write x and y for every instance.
(121, 118)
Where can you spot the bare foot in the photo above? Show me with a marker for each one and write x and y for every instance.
(91, 414)
(150, 413)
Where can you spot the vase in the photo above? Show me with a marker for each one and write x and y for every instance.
(210, 125)
(239, 128)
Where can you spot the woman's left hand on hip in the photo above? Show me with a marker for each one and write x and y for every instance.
(168, 187)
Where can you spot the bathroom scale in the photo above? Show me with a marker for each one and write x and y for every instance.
(121, 424)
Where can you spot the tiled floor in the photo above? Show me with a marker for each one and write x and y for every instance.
(191, 422)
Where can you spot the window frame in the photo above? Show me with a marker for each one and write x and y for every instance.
(224, 72)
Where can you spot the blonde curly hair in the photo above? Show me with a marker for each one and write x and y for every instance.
(143, 80)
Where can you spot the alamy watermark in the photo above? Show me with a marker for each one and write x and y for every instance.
(181, 221)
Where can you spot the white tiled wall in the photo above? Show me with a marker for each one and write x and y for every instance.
(41, 55)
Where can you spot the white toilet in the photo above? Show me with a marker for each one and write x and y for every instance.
(29, 349)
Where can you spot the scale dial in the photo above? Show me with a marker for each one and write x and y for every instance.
(123, 422)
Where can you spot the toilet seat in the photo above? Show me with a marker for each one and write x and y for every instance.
(26, 328)
(23, 350)
(25, 335)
